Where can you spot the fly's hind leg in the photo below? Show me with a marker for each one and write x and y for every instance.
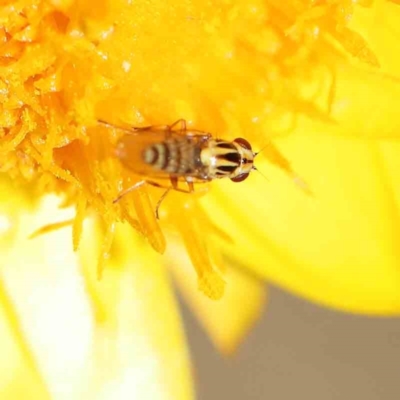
(160, 200)
(128, 190)
(174, 186)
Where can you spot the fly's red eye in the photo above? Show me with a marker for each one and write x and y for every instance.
(239, 178)
(243, 142)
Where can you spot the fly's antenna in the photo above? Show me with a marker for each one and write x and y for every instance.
(263, 175)
(262, 149)
(255, 155)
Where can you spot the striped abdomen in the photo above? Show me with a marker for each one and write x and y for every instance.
(175, 156)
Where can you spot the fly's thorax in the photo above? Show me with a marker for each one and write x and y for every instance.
(225, 159)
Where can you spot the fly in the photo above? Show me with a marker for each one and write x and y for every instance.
(180, 154)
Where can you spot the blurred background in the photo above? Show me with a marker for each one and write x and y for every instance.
(301, 351)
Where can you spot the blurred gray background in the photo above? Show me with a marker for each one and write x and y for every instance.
(301, 351)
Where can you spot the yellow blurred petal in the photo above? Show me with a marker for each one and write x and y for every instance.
(380, 27)
(389, 163)
(138, 336)
(133, 347)
(42, 278)
(19, 372)
(338, 248)
(364, 105)
(228, 320)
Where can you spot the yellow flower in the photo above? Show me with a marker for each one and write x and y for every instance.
(319, 77)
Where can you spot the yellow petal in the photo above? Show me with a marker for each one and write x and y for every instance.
(138, 334)
(19, 372)
(133, 347)
(364, 105)
(337, 248)
(42, 279)
(380, 27)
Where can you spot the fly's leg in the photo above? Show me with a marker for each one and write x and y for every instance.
(182, 123)
(177, 128)
(174, 185)
(152, 183)
(160, 200)
(128, 190)
(128, 130)
(167, 128)
(190, 185)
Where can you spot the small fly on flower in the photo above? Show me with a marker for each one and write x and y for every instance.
(180, 154)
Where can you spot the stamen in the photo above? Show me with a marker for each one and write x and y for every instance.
(147, 219)
(187, 221)
(89, 255)
(78, 221)
(12, 316)
(302, 184)
(105, 248)
(57, 171)
(9, 145)
(54, 226)
(211, 226)
(356, 45)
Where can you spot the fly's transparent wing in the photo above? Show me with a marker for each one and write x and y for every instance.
(132, 149)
